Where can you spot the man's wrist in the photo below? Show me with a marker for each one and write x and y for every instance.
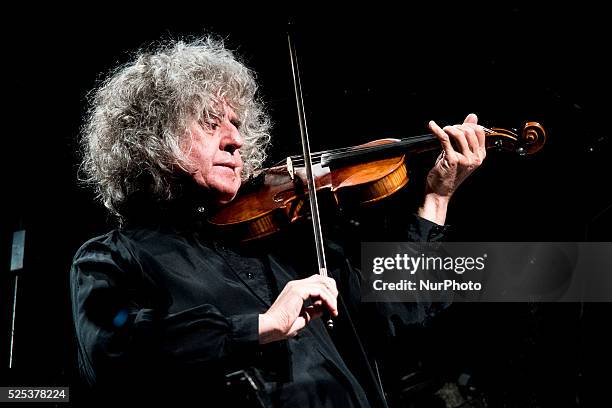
(434, 208)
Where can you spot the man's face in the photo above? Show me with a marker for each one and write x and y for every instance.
(214, 152)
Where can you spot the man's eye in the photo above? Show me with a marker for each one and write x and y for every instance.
(210, 124)
(236, 124)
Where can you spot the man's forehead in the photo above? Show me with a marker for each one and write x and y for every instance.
(223, 108)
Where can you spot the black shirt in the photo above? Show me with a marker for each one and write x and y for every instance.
(162, 312)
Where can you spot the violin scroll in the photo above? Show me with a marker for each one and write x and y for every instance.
(531, 139)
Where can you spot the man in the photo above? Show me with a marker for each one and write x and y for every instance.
(161, 307)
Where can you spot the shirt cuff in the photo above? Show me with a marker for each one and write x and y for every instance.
(422, 230)
(245, 330)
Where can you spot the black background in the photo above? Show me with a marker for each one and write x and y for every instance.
(378, 71)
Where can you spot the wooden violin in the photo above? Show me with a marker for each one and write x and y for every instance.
(360, 175)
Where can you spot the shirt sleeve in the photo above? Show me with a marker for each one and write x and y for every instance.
(121, 323)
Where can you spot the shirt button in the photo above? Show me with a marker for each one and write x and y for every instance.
(250, 275)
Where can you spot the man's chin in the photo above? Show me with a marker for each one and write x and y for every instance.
(223, 198)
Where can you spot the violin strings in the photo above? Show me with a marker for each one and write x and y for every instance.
(357, 150)
(316, 156)
(365, 149)
(298, 158)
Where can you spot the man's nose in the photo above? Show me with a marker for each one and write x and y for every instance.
(232, 139)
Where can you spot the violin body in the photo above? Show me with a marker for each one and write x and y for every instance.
(279, 199)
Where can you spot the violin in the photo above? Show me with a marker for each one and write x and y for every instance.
(359, 175)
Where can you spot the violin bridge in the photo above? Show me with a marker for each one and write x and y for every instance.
(290, 168)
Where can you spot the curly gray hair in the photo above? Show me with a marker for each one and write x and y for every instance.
(139, 116)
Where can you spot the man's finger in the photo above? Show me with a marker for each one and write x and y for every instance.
(471, 118)
(330, 283)
(482, 142)
(472, 139)
(458, 136)
(442, 137)
(323, 293)
(313, 312)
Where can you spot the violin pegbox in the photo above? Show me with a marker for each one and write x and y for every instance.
(531, 139)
